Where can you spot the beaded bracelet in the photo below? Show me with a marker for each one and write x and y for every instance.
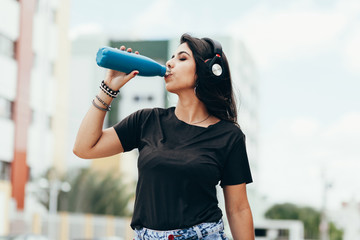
(100, 108)
(106, 89)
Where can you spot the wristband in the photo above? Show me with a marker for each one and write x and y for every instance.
(106, 89)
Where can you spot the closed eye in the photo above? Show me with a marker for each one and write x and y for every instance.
(180, 55)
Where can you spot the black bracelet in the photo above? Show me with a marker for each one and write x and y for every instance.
(100, 108)
(106, 89)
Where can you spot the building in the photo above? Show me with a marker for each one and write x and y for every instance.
(34, 74)
(279, 229)
(348, 218)
(9, 33)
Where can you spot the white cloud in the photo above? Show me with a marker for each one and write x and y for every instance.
(304, 127)
(347, 126)
(85, 29)
(275, 36)
(169, 19)
(154, 21)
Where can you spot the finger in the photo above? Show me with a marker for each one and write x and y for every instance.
(136, 52)
(131, 75)
(129, 50)
(122, 48)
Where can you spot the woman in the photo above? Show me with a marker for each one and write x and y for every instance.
(184, 152)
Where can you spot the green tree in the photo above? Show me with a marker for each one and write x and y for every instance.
(335, 233)
(91, 192)
(309, 216)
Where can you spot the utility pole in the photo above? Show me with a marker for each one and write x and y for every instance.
(324, 224)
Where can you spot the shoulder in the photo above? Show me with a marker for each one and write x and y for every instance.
(145, 113)
(233, 129)
(157, 111)
(162, 111)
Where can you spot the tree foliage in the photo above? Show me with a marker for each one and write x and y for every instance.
(309, 216)
(92, 193)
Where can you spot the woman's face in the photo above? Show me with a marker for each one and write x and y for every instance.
(183, 70)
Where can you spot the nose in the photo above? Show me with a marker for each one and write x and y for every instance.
(170, 63)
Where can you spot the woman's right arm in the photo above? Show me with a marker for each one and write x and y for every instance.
(91, 140)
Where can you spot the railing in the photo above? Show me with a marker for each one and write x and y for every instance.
(69, 226)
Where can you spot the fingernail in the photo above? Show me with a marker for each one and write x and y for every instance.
(136, 73)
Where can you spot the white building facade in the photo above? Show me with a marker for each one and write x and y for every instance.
(33, 65)
(9, 33)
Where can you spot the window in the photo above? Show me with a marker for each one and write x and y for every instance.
(35, 61)
(5, 170)
(37, 6)
(284, 233)
(7, 47)
(143, 98)
(5, 108)
(49, 121)
(52, 15)
(260, 232)
(52, 68)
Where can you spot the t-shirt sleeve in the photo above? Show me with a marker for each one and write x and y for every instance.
(128, 130)
(236, 168)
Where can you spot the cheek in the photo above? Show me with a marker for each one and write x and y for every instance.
(190, 75)
(191, 80)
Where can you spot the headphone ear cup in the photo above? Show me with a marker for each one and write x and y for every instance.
(214, 67)
(215, 64)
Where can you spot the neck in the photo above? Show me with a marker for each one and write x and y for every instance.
(190, 109)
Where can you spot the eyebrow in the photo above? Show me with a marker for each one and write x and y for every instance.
(181, 53)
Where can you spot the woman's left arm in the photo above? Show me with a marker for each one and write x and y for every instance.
(238, 212)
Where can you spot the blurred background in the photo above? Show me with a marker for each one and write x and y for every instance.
(296, 70)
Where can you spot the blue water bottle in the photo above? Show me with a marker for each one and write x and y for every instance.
(126, 62)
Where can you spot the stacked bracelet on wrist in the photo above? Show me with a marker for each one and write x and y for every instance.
(103, 103)
(98, 107)
(106, 89)
(107, 106)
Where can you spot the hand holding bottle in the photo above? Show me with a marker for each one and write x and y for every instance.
(116, 79)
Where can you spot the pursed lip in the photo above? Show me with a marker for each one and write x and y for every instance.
(166, 76)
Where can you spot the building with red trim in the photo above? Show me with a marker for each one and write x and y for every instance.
(34, 57)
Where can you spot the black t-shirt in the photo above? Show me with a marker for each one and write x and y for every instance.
(179, 166)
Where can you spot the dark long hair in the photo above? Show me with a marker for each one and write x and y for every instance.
(215, 92)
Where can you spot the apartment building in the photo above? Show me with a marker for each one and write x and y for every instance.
(34, 54)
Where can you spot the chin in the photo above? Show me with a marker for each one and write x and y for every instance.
(170, 86)
(170, 89)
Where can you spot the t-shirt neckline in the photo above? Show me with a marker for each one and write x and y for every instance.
(191, 125)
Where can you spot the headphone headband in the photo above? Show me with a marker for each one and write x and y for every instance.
(217, 49)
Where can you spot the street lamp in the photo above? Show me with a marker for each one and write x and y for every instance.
(54, 186)
(324, 224)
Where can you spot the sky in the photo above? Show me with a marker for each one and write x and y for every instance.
(307, 55)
